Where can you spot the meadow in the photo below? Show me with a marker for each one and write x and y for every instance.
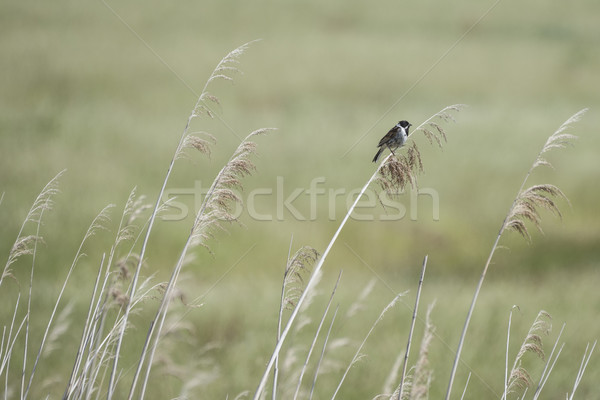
(104, 91)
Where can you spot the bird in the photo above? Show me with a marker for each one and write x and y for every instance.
(395, 138)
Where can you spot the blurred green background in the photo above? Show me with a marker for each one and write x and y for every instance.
(103, 89)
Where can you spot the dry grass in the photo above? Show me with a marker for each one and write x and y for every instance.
(26, 244)
(119, 291)
(524, 207)
(528, 201)
(215, 208)
(518, 378)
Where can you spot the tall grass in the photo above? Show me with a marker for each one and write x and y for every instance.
(394, 174)
(524, 208)
(100, 369)
(223, 70)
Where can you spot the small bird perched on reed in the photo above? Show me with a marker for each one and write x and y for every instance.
(395, 138)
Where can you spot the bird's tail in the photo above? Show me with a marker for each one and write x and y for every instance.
(378, 154)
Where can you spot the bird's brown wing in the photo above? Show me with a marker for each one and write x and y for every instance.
(384, 140)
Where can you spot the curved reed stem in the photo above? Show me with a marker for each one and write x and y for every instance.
(311, 282)
(220, 72)
(558, 139)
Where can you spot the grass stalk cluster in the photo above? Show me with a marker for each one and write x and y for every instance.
(99, 368)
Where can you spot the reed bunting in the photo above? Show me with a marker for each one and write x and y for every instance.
(395, 138)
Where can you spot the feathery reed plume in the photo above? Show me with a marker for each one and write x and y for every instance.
(398, 170)
(25, 244)
(280, 318)
(401, 170)
(293, 281)
(215, 207)
(519, 378)
(444, 115)
(200, 143)
(217, 203)
(524, 207)
(527, 204)
(41, 204)
(291, 289)
(134, 209)
(559, 139)
(223, 70)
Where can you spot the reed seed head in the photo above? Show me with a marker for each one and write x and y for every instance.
(400, 170)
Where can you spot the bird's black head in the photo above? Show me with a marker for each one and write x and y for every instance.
(404, 124)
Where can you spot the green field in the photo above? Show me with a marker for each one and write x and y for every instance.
(104, 90)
